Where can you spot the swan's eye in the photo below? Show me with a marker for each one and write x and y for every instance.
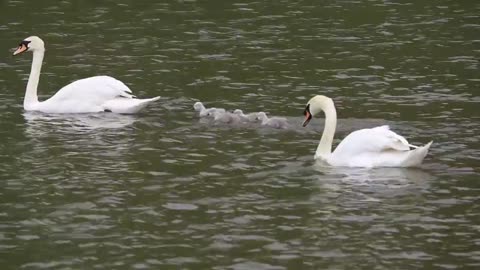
(25, 42)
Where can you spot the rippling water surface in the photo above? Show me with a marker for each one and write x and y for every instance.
(167, 190)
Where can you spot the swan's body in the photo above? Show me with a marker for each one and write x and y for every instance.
(90, 95)
(374, 147)
(274, 122)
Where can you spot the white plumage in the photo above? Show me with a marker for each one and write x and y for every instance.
(373, 147)
(94, 94)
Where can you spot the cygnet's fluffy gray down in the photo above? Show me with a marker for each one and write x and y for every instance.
(198, 106)
(251, 117)
(204, 112)
(225, 117)
(213, 111)
(274, 122)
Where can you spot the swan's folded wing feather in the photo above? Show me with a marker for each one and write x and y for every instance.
(388, 140)
(95, 90)
(372, 140)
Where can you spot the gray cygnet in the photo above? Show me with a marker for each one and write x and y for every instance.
(225, 117)
(245, 117)
(203, 112)
(275, 122)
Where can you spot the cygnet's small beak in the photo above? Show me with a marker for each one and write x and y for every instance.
(21, 48)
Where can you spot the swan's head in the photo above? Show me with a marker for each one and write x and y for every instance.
(198, 106)
(32, 43)
(314, 106)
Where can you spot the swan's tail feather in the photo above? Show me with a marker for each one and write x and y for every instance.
(127, 105)
(415, 157)
(142, 104)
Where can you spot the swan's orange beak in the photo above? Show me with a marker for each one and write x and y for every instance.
(308, 115)
(21, 48)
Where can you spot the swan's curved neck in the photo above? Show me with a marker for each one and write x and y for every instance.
(324, 148)
(32, 85)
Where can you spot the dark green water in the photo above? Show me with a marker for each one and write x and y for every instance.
(167, 190)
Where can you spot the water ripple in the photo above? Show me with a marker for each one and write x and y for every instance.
(165, 189)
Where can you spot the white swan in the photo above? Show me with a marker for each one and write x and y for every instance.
(94, 94)
(374, 147)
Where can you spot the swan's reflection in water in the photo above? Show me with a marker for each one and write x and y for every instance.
(100, 142)
(75, 123)
(373, 184)
(365, 175)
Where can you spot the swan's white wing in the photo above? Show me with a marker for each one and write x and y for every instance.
(96, 89)
(377, 146)
(87, 95)
(388, 140)
(373, 140)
